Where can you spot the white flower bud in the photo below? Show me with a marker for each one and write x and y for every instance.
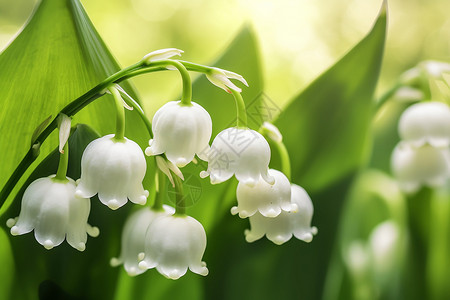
(267, 199)
(426, 122)
(220, 78)
(50, 208)
(162, 54)
(414, 167)
(133, 238)
(114, 170)
(240, 152)
(173, 244)
(180, 132)
(281, 228)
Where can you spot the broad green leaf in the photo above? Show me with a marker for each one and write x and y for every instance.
(328, 139)
(56, 58)
(46, 67)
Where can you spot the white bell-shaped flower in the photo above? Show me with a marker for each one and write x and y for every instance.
(426, 122)
(173, 244)
(133, 238)
(244, 153)
(180, 132)
(281, 228)
(51, 208)
(415, 167)
(114, 170)
(267, 199)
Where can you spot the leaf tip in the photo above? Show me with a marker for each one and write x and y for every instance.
(383, 9)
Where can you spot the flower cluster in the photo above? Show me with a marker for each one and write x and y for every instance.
(422, 157)
(163, 237)
(275, 208)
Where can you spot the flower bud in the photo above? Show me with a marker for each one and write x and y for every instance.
(267, 199)
(51, 208)
(240, 152)
(415, 167)
(281, 228)
(220, 78)
(426, 122)
(180, 132)
(114, 170)
(173, 244)
(133, 238)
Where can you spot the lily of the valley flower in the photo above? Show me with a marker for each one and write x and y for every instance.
(281, 228)
(114, 170)
(414, 167)
(426, 122)
(244, 153)
(267, 199)
(162, 54)
(180, 132)
(173, 244)
(220, 78)
(133, 238)
(50, 207)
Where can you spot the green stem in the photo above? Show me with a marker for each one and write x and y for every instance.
(186, 97)
(284, 157)
(180, 206)
(241, 113)
(387, 95)
(162, 190)
(419, 216)
(120, 115)
(131, 102)
(63, 163)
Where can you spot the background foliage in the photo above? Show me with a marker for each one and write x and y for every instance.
(327, 128)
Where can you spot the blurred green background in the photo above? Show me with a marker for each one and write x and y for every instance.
(298, 39)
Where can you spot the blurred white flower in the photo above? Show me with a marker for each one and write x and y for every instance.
(244, 153)
(220, 78)
(415, 167)
(173, 244)
(114, 170)
(162, 54)
(180, 132)
(281, 228)
(426, 122)
(133, 238)
(433, 68)
(384, 241)
(50, 207)
(267, 199)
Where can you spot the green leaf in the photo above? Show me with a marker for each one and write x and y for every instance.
(7, 263)
(328, 139)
